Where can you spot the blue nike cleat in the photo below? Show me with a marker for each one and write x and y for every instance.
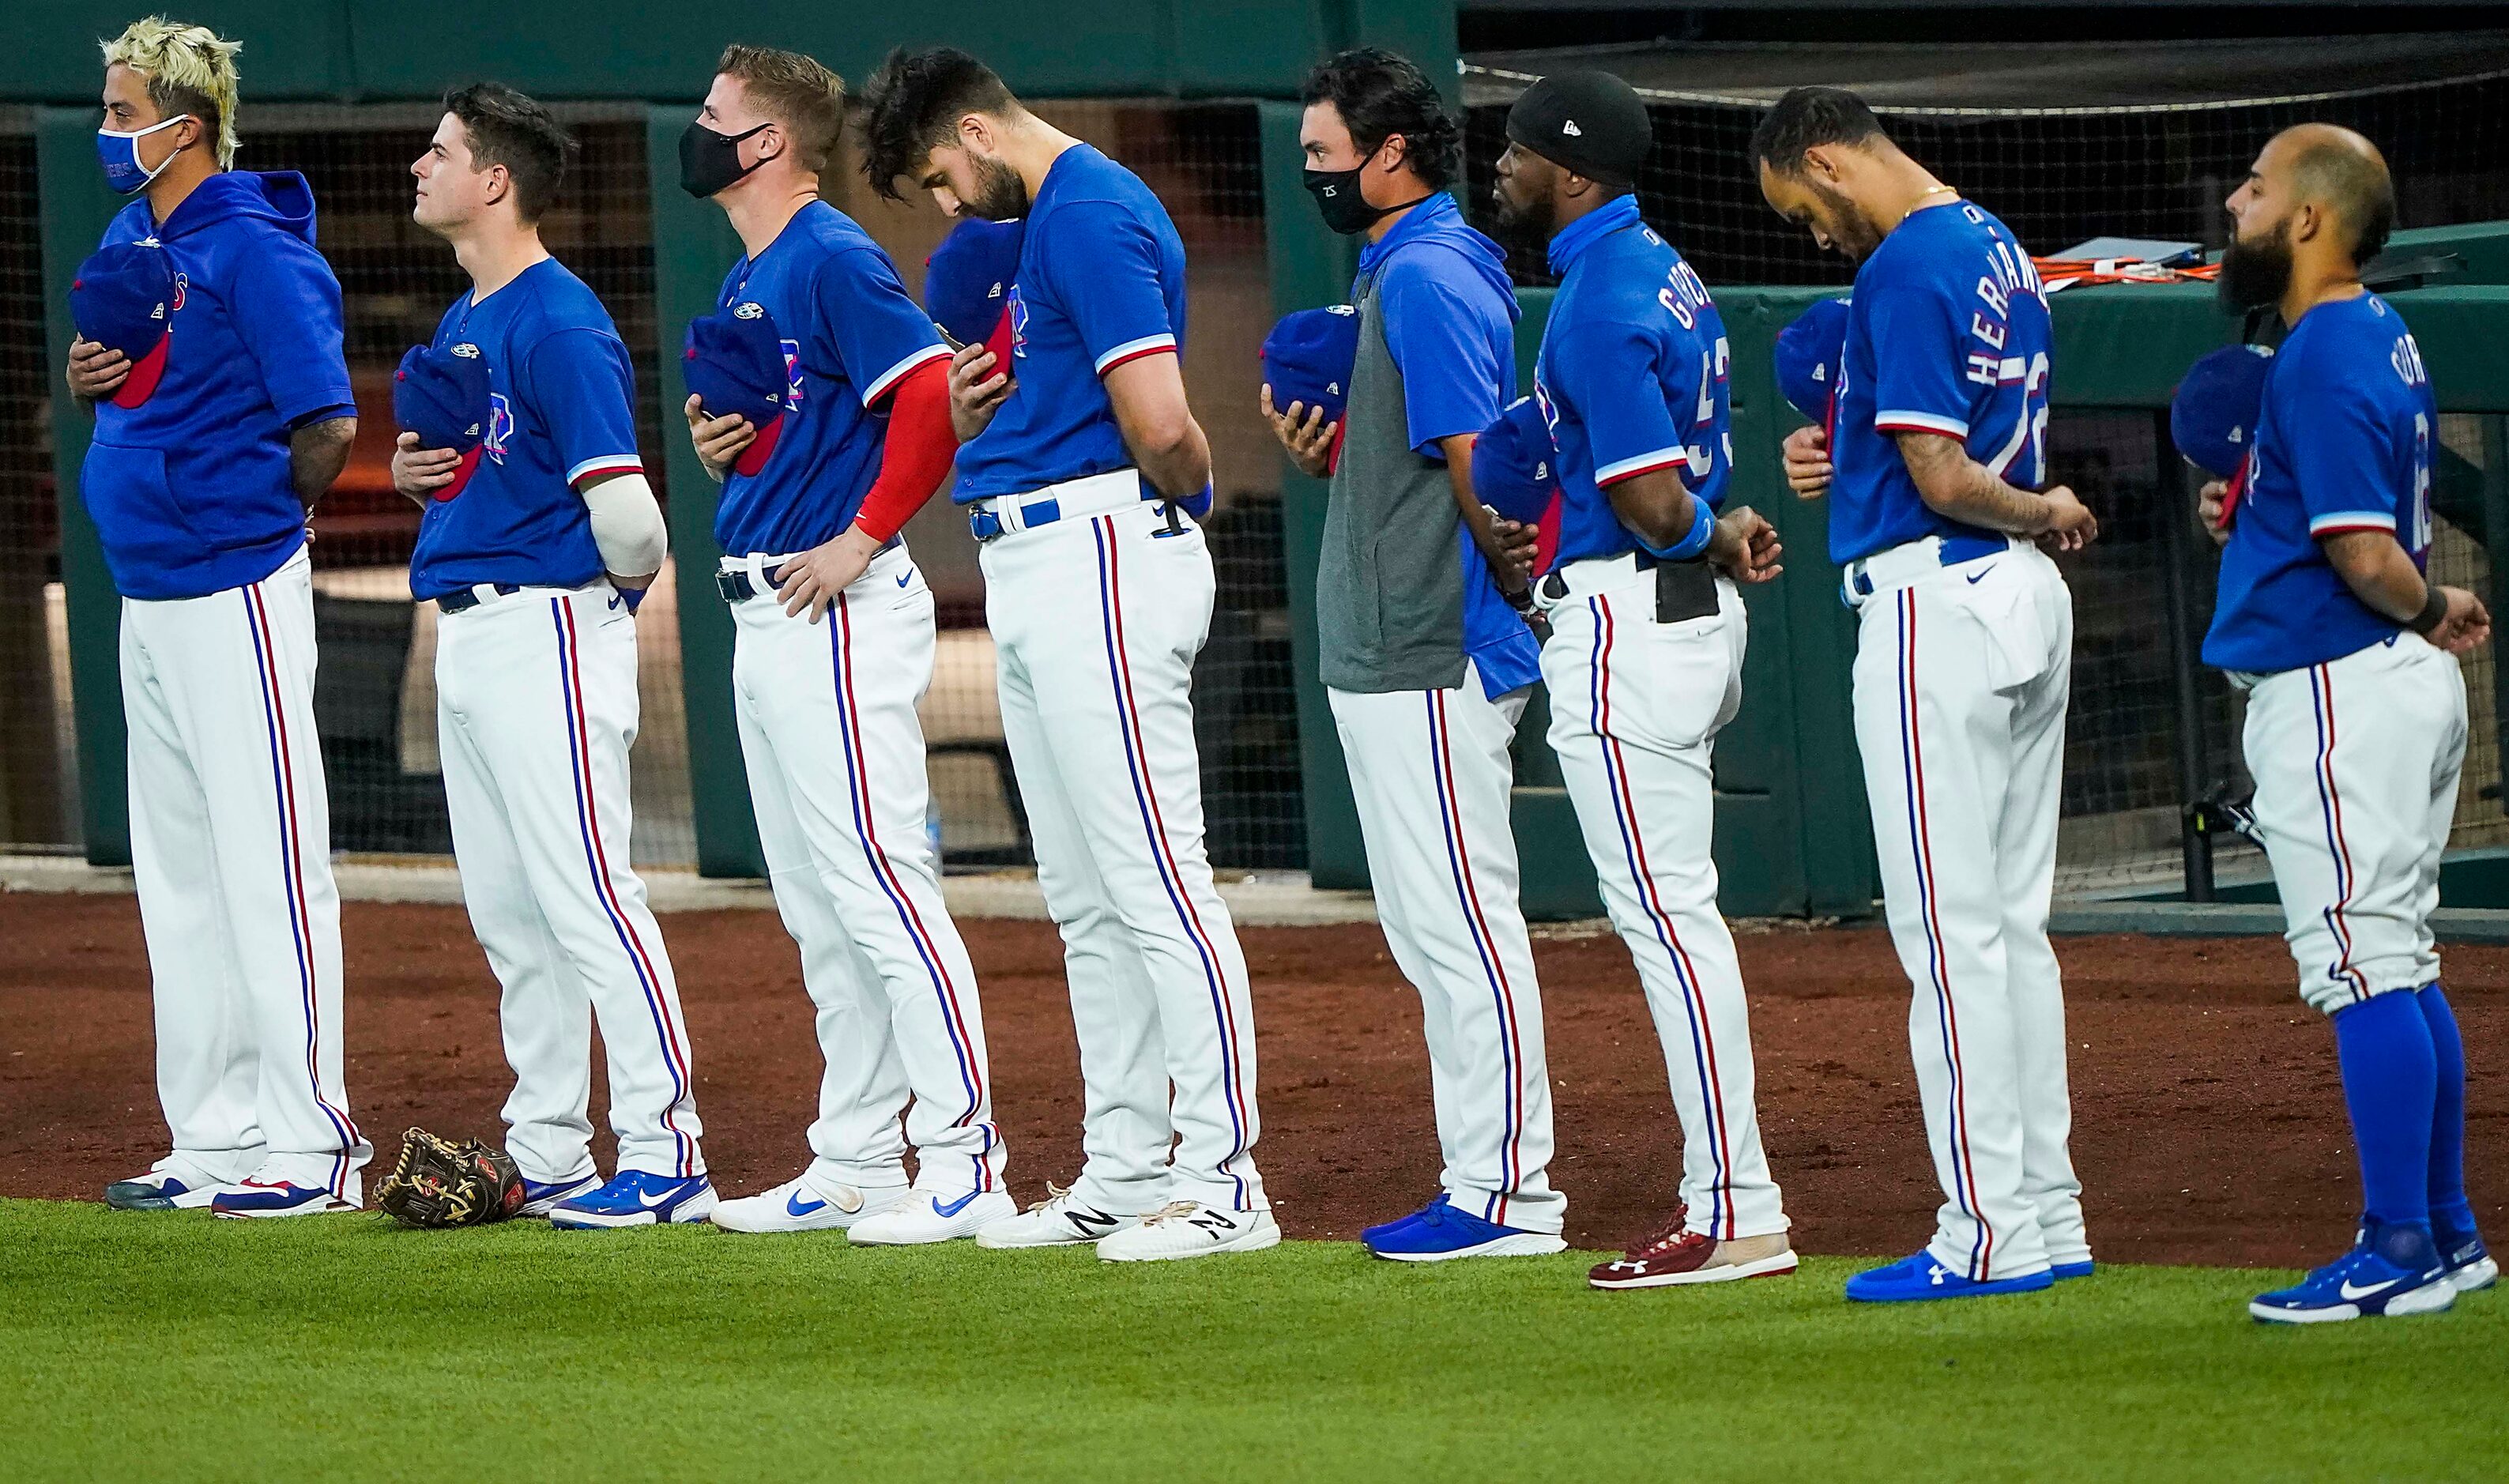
(541, 1196)
(2392, 1269)
(277, 1198)
(2067, 1270)
(161, 1191)
(1442, 1231)
(1369, 1234)
(2469, 1263)
(637, 1198)
(1919, 1279)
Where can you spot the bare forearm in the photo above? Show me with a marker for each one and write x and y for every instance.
(316, 452)
(1959, 488)
(1177, 466)
(1656, 506)
(2374, 567)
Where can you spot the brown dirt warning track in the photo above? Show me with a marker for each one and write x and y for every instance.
(2208, 1120)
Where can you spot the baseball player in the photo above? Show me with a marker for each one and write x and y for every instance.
(1082, 467)
(1427, 667)
(1934, 459)
(1645, 655)
(2356, 718)
(833, 648)
(222, 413)
(534, 561)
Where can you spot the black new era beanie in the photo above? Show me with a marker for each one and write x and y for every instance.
(1591, 122)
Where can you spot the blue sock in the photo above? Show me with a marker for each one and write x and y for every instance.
(2390, 1077)
(2450, 1212)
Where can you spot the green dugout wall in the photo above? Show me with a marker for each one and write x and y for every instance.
(1791, 829)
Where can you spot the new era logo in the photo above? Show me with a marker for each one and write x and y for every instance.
(1571, 130)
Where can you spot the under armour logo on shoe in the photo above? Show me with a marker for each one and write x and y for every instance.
(1935, 1273)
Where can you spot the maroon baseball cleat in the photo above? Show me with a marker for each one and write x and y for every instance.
(1677, 1255)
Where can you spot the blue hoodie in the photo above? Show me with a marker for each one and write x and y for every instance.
(1449, 315)
(189, 489)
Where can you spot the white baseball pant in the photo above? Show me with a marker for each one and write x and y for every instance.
(1636, 707)
(535, 708)
(1961, 677)
(835, 755)
(2356, 763)
(1432, 776)
(230, 846)
(1096, 623)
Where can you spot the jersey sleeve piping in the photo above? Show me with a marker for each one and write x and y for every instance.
(1134, 350)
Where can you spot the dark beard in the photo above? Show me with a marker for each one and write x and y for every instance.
(1001, 195)
(2256, 271)
(1853, 235)
(1528, 229)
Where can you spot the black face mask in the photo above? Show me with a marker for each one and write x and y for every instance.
(710, 162)
(1346, 210)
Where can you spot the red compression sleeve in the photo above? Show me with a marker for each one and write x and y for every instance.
(917, 456)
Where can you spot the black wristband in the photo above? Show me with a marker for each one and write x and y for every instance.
(2434, 608)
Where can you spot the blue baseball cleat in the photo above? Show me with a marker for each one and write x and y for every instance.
(1369, 1234)
(1441, 1232)
(277, 1198)
(2067, 1269)
(636, 1198)
(2469, 1263)
(540, 1196)
(2392, 1269)
(1920, 1279)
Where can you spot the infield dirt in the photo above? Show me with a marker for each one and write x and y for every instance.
(2209, 1123)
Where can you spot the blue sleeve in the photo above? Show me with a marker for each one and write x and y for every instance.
(1920, 370)
(865, 317)
(580, 383)
(1104, 263)
(285, 309)
(1637, 419)
(1445, 338)
(2340, 444)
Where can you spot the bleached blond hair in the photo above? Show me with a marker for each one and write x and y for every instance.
(190, 69)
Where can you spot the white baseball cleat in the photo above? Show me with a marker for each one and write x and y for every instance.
(166, 1189)
(804, 1204)
(1191, 1229)
(926, 1218)
(1060, 1220)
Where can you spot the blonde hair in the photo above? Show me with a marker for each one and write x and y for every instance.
(190, 69)
(795, 92)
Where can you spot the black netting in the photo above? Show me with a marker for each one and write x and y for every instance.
(2055, 178)
(38, 769)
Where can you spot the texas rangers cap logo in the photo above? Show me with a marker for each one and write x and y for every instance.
(1018, 323)
(792, 370)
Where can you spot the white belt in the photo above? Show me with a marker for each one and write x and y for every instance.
(1911, 563)
(1089, 494)
(1593, 576)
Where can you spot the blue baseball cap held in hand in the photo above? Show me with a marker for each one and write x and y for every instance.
(734, 362)
(124, 298)
(1515, 471)
(1308, 358)
(967, 284)
(442, 396)
(1807, 357)
(2213, 413)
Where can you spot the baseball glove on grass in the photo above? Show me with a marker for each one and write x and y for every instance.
(438, 1184)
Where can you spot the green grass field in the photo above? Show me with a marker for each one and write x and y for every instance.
(176, 1346)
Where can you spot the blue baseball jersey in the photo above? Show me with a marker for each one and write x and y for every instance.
(1632, 376)
(1948, 333)
(851, 333)
(1100, 282)
(1448, 315)
(191, 491)
(561, 412)
(2343, 443)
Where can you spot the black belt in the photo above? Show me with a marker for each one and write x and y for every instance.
(1684, 590)
(467, 598)
(736, 587)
